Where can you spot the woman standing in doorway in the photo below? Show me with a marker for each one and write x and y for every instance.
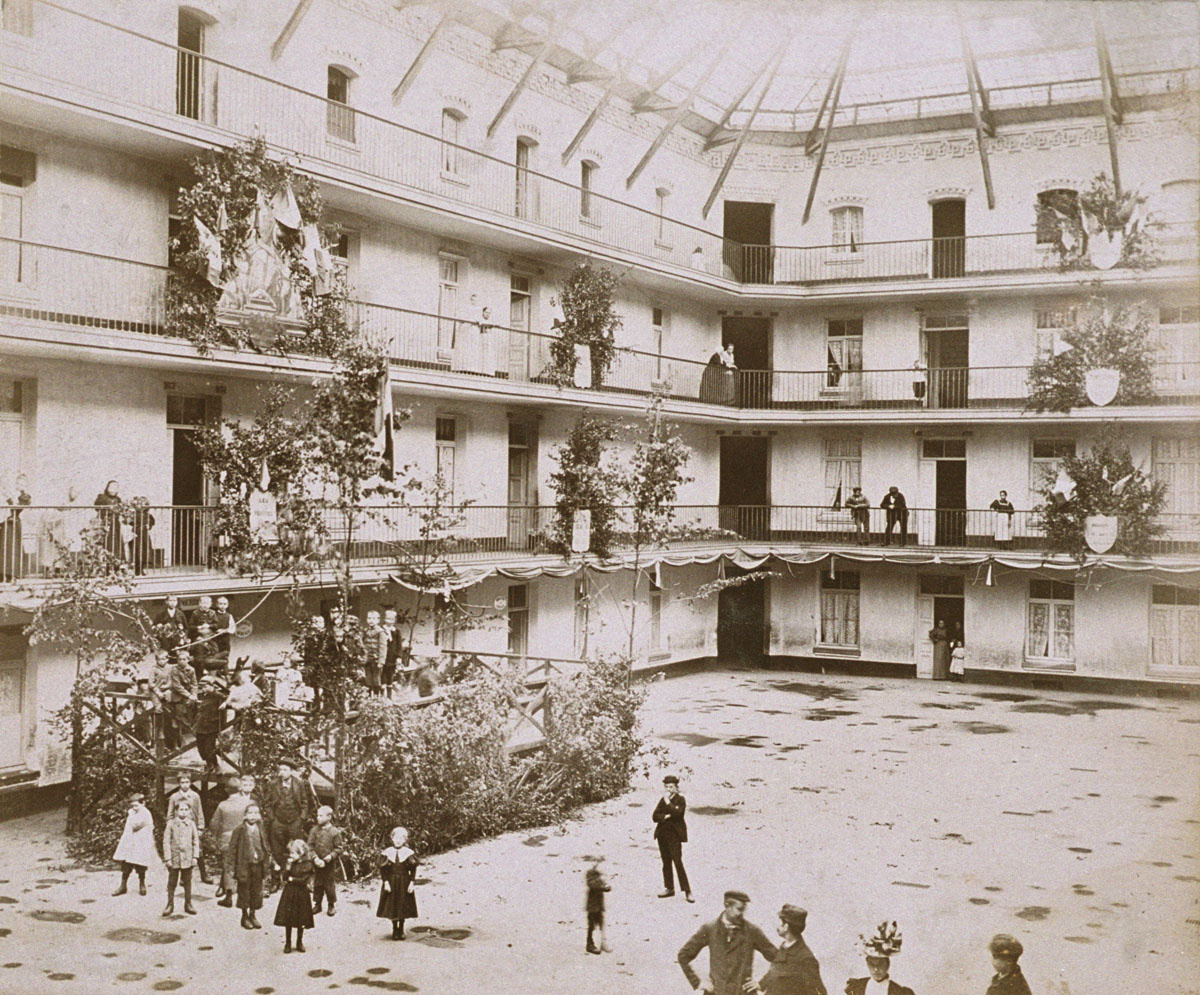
(939, 635)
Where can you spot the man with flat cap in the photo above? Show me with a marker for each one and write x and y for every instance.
(1008, 980)
(731, 943)
(670, 829)
(795, 970)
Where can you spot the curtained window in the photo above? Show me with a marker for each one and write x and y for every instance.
(839, 609)
(1051, 627)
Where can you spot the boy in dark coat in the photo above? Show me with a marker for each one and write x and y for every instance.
(325, 842)
(795, 970)
(671, 832)
(247, 860)
(1008, 980)
(596, 887)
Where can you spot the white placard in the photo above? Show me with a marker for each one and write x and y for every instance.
(581, 531)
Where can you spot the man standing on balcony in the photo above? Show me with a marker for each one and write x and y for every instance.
(897, 512)
(860, 512)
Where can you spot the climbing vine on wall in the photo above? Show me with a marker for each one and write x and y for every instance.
(587, 299)
(1099, 228)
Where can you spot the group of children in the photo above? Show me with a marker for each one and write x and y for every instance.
(308, 874)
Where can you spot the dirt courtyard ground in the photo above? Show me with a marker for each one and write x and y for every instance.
(1071, 821)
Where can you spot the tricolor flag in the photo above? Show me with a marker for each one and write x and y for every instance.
(384, 442)
(285, 208)
(1064, 487)
(210, 245)
(1119, 487)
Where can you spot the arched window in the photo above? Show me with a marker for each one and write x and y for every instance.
(847, 228)
(587, 181)
(452, 128)
(526, 204)
(1051, 203)
(661, 196)
(339, 118)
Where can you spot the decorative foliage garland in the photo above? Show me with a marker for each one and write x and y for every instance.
(1103, 336)
(1102, 482)
(234, 253)
(585, 480)
(589, 319)
(1097, 229)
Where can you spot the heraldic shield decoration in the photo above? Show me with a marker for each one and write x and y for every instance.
(1102, 385)
(1100, 532)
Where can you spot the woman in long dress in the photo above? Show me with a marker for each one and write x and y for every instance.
(1002, 509)
(398, 869)
(939, 635)
(108, 501)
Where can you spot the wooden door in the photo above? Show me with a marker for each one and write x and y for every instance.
(519, 513)
(922, 647)
(12, 698)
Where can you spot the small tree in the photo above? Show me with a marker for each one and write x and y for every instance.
(1107, 482)
(1103, 336)
(590, 319)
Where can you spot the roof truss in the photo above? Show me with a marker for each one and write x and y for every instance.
(832, 96)
(1111, 100)
(422, 57)
(975, 89)
(719, 134)
(289, 29)
(548, 42)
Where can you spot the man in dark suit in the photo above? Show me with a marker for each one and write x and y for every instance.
(287, 800)
(670, 830)
(731, 943)
(795, 970)
(897, 514)
(170, 626)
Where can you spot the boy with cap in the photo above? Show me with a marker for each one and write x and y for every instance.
(670, 830)
(795, 970)
(596, 887)
(731, 943)
(1006, 951)
(879, 949)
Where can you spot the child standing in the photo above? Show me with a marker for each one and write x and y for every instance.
(181, 850)
(294, 910)
(135, 851)
(248, 858)
(398, 869)
(596, 887)
(325, 842)
(185, 794)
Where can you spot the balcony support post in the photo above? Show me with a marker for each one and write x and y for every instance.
(835, 93)
(1112, 101)
(974, 89)
(289, 29)
(770, 71)
(676, 116)
(422, 57)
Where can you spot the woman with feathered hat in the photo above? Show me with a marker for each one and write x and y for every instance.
(879, 949)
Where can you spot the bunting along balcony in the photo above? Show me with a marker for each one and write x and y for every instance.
(42, 285)
(76, 59)
(44, 542)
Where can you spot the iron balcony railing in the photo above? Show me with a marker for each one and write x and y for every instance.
(47, 284)
(165, 83)
(49, 541)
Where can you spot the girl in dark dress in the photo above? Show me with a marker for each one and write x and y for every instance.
(142, 546)
(109, 503)
(295, 902)
(398, 869)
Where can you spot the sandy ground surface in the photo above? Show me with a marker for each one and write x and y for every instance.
(1071, 821)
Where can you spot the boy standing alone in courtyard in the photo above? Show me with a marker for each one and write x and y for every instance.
(670, 830)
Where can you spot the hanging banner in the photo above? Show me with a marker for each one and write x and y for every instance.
(581, 532)
(1102, 385)
(1100, 532)
(264, 516)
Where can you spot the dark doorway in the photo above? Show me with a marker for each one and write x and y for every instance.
(743, 485)
(748, 250)
(187, 497)
(949, 237)
(751, 341)
(951, 502)
(949, 367)
(189, 69)
(950, 609)
(741, 621)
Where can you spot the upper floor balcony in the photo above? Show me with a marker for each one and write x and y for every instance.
(70, 292)
(60, 62)
(42, 543)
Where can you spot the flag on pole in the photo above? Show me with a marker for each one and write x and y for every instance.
(285, 208)
(1119, 487)
(222, 219)
(384, 442)
(210, 245)
(1061, 345)
(264, 477)
(1064, 487)
(837, 499)
(310, 243)
(323, 284)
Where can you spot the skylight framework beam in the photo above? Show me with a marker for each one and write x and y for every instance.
(422, 57)
(289, 29)
(676, 115)
(770, 71)
(985, 110)
(718, 135)
(1111, 101)
(548, 43)
(835, 92)
(976, 111)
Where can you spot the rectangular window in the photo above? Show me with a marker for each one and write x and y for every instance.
(661, 196)
(656, 607)
(843, 351)
(1178, 339)
(943, 449)
(1176, 462)
(17, 171)
(446, 441)
(587, 177)
(1174, 626)
(192, 410)
(1050, 631)
(449, 281)
(658, 324)
(339, 118)
(839, 609)
(518, 619)
(1046, 456)
(847, 229)
(1049, 325)
(12, 397)
(843, 468)
(947, 585)
(1052, 204)
(451, 124)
